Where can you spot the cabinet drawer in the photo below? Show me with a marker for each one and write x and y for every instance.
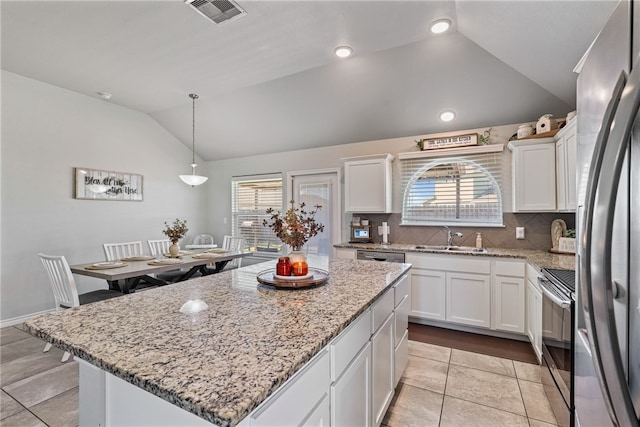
(347, 345)
(450, 263)
(381, 309)
(401, 357)
(532, 273)
(401, 289)
(402, 319)
(509, 268)
(298, 397)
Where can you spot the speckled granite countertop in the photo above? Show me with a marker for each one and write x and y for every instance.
(223, 362)
(539, 259)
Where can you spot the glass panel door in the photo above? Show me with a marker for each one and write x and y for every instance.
(319, 189)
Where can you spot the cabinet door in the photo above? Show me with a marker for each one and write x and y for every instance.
(320, 416)
(383, 369)
(534, 177)
(367, 186)
(401, 319)
(571, 153)
(427, 294)
(508, 304)
(468, 299)
(350, 394)
(561, 174)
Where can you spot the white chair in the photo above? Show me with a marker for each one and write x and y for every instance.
(65, 291)
(234, 244)
(202, 241)
(117, 251)
(159, 247)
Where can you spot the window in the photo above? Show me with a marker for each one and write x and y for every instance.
(452, 189)
(251, 196)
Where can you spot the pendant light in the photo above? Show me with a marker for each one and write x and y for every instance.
(193, 179)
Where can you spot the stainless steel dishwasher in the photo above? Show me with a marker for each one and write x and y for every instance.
(380, 256)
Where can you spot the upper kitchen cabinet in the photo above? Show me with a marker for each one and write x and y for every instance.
(367, 183)
(534, 174)
(566, 141)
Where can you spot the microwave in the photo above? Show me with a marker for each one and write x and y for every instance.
(361, 234)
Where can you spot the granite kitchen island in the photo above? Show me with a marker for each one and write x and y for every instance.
(222, 363)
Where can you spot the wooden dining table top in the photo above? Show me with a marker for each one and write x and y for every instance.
(132, 269)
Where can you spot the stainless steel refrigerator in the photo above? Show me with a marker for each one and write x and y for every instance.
(607, 326)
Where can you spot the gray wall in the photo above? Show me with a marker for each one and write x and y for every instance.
(46, 132)
(222, 171)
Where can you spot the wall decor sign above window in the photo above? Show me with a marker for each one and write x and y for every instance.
(95, 184)
(449, 141)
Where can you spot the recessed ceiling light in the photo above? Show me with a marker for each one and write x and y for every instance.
(440, 26)
(343, 51)
(447, 116)
(104, 95)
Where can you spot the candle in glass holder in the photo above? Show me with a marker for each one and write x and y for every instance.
(283, 268)
(300, 268)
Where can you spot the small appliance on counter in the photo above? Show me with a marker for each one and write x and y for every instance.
(361, 234)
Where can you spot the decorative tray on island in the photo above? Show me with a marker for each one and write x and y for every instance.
(316, 277)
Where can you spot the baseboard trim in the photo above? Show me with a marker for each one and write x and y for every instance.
(21, 319)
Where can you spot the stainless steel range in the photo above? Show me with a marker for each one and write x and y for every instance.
(558, 308)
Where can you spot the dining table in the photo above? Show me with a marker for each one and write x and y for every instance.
(124, 275)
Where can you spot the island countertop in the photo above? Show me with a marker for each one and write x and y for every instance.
(223, 362)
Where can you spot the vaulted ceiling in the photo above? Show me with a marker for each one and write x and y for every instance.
(269, 81)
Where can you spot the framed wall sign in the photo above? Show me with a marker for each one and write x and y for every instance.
(451, 141)
(95, 184)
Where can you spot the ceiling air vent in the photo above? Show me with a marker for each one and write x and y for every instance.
(218, 11)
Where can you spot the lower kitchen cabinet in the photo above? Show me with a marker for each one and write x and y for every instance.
(508, 279)
(351, 393)
(383, 372)
(534, 318)
(479, 291)
(428, 293)
(469, 299)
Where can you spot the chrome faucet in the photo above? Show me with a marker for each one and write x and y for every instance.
(451, 235)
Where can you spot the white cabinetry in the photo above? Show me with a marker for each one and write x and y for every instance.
(508, 296)
(299, 398)
(351, 395)
(367, 183)
(566, 167)
(401, 331)
(534, 311)
(452, 288)
(382, 347)
(345, 253)
(534, 175)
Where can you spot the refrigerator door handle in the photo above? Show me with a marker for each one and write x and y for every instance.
(596, 262)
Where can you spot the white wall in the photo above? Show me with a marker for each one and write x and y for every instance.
(222, 171)
(46, 132)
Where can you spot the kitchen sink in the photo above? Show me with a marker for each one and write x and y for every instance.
(462, 249)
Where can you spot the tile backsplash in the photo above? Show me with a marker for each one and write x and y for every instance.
(537, 231)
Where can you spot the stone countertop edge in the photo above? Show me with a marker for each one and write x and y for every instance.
(221, 363)
(539, 259)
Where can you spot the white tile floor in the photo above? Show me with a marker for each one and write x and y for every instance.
(441, 387)
(453, 388)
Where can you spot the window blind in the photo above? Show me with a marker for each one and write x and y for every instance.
(459, 190)
(251, 196)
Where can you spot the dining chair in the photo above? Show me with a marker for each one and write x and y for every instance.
(159, 247)
(117, 251)
(65, 291)
(234, 244)
(203, 239)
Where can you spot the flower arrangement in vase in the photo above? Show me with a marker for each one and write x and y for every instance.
(294, 228)
(175, 232)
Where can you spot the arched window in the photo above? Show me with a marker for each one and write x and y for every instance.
(452, 190)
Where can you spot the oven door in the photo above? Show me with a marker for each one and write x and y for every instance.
(556, 373)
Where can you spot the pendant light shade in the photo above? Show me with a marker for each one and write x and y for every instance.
(193, 179)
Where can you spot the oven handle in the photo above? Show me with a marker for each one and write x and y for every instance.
(546, 289)
(600, 203)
